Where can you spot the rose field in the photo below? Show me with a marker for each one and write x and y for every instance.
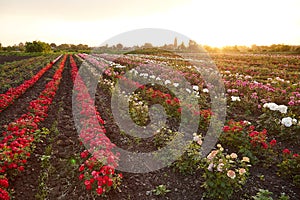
(60, 135)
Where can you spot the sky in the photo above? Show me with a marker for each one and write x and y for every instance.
(209, 22)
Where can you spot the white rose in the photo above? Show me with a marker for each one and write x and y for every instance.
(176, 84)
(205, 90)
(266, 105)
(167, 82)
(287, 121)
(294, 121)
(195, 87)
(273, 106)
(282, 109)
(233, 98)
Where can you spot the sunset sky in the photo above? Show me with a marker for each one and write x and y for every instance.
(212, 22)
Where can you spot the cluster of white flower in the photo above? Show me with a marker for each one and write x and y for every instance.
(167, 82)
(144, 75)
(176, 84)
(234, 98)
(274, 106)
(247, 122)
(119, 66)
(205, 90)
(288, 121)
(195, 87)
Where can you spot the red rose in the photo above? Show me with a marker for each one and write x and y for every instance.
(273, 142)
(226, 129)
(81, 176)
(4, 183)
(81, 168)
(4, 194)
(21, 168)
(264, 145)
(99, 190)
(253, 133)
(88, 187)
(110, 182)
(286, 151)
(84, 154)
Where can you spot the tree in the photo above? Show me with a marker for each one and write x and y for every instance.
(37, 46)
(175, 42)
(73, 47)
(0, 46)
(193, 46)
(82, 47)
(119, 46)
(147, 45)
(182, 46)
(53, 45)
(21, 46)
(63, 47)
(11, 48)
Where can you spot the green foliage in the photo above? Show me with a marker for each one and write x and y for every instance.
(191, 159)
(41, 133)
(160, 190)
(37, 46)
(290, 168)
(283, 196)
(266, 195)
(263, 195)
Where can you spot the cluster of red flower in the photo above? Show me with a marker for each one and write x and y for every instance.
(14, 93)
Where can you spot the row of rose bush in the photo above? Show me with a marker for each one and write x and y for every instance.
(98, 169)
(16, 145)
(12, 94)
(14, 73)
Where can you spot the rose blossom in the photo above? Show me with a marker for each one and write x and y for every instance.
(242, 171)
(210, 167)
(231, 174)
(220, 167)
(246, 159)
(212, 154)
(287, 121)
(233, 155)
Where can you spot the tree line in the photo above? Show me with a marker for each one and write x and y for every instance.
(192, 46)
(39, 46)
